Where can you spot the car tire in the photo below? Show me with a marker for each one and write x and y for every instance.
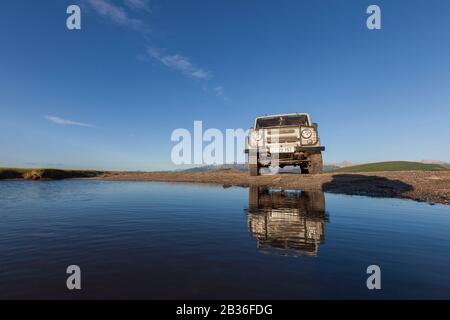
(253, 170)
(315, 163)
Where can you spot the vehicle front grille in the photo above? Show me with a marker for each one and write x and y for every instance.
(288, 139)
(282, 135)
(281, 131)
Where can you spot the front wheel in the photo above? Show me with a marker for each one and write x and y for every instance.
(253, 169)
(315, 165)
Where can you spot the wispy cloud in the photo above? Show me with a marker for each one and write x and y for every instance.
(138, 5)
(65, 122)
(115, 13)
(119, 14)
(178, 63)
(219, 91)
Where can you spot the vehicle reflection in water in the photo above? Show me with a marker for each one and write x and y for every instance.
(287, 222)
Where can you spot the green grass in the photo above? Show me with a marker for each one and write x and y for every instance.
(393, 166)
(28, 173)
(13, 173)
(21, 170)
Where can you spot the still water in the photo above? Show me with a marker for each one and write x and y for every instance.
(162, 240)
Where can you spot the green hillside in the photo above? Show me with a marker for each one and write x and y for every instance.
(393, 166)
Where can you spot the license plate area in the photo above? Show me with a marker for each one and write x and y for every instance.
(281, 149)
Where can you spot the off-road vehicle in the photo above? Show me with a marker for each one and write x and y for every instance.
(284, 140)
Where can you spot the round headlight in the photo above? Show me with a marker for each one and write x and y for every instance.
(306, 133)
(256, 135)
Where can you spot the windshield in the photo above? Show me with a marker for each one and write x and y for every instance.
(301, 120)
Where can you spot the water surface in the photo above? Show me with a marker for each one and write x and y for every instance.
(163, 240)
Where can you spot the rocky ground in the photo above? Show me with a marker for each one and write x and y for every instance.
(429, 186)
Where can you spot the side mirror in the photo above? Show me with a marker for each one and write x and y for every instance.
(315, 125)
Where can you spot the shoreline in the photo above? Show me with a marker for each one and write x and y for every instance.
(423, 186)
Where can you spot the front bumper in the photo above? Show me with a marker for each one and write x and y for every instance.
(303, 149)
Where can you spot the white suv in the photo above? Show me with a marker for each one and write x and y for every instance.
(284, 140)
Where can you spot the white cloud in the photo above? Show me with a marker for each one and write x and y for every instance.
(138, 5)
(115, 13)
(65, 122)
(179, 63)
(219, 91)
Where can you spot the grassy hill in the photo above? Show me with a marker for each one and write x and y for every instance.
(393, 166)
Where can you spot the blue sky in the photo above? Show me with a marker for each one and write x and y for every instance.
(109, 96)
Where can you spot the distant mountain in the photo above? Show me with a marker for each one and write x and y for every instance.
(446, 163)
(330, 167)
(344, 164)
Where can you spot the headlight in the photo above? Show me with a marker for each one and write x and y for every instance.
(256, 135)
(306, 133)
